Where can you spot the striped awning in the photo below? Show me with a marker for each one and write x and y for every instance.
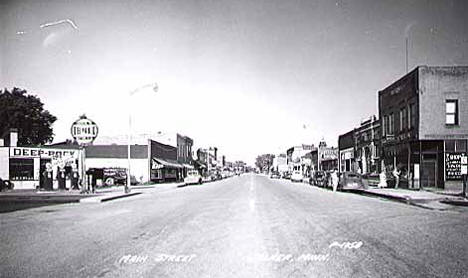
(158, 163)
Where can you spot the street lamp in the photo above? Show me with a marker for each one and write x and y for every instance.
(154, 86)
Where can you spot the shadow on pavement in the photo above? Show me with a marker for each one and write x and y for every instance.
(10, 206)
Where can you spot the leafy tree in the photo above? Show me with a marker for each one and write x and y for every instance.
(25, 112)
(264, 161)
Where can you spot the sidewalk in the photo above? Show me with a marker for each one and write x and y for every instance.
(66, 196)
(421, 198)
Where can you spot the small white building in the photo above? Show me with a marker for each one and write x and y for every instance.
(25, 165)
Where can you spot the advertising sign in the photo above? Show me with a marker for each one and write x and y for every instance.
(84, 130)
(454, 165)
(464, 165)
(24, 152)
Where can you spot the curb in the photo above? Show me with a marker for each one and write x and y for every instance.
(100, 199)
(406, 200)
(463, 203)
(415, 202)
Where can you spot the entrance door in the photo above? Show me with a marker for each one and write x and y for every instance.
(429, 173)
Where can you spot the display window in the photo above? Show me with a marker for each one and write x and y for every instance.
(21, 169)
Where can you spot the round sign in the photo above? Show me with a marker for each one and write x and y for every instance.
(84, 130)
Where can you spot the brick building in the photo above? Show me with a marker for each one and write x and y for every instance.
(424, 124)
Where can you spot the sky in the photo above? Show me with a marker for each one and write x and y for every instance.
(247, 76)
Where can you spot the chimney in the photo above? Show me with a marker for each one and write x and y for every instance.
(13, 137)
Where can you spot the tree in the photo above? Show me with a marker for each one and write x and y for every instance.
(25, 112)
(264, 161)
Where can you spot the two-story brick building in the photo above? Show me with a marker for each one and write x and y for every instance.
(424, 125)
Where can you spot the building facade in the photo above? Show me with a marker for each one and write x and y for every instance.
(367, 146)
(346, 149)
(424, 124)
(324, 158)
(39, 167)
(299, 158)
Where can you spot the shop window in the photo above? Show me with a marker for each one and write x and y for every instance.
(403, 120)
(384, 125)
(455, 146)
(21, 169)
(451, 112)
(412, 115)
(460, 146)
(450, 145)
(391, 124)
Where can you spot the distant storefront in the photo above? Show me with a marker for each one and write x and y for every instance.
(346, 148)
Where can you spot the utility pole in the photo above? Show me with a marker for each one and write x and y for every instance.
(406, 54)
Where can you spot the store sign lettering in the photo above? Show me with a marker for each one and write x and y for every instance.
(455, 165)
(45, 153)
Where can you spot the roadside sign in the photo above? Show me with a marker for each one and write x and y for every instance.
(84, 130)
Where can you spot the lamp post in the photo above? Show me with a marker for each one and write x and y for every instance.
(154, 86)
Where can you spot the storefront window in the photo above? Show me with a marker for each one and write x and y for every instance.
(455, 146)
(460, 146)
(156, 174)
(21, 169)
(450, 145)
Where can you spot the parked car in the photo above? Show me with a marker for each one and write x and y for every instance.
(286, 175)
(350, 181)
(296, 176)
(193, 177)
(319, 179)
(274, 175)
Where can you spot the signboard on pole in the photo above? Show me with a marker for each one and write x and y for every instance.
(84, 131)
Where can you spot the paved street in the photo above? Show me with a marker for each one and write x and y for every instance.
(246, 226)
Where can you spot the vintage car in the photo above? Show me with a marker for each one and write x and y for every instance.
(350, 181)
(296, 176)
(275, 175)
(193, 177)
(319, 178)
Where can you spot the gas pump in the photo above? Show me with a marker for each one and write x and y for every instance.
(48, 179)
(61, 177)
(74, 177)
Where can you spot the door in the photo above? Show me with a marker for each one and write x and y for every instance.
(429, 173)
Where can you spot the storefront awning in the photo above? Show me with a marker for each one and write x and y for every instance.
(165, 163)
(188, 166)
